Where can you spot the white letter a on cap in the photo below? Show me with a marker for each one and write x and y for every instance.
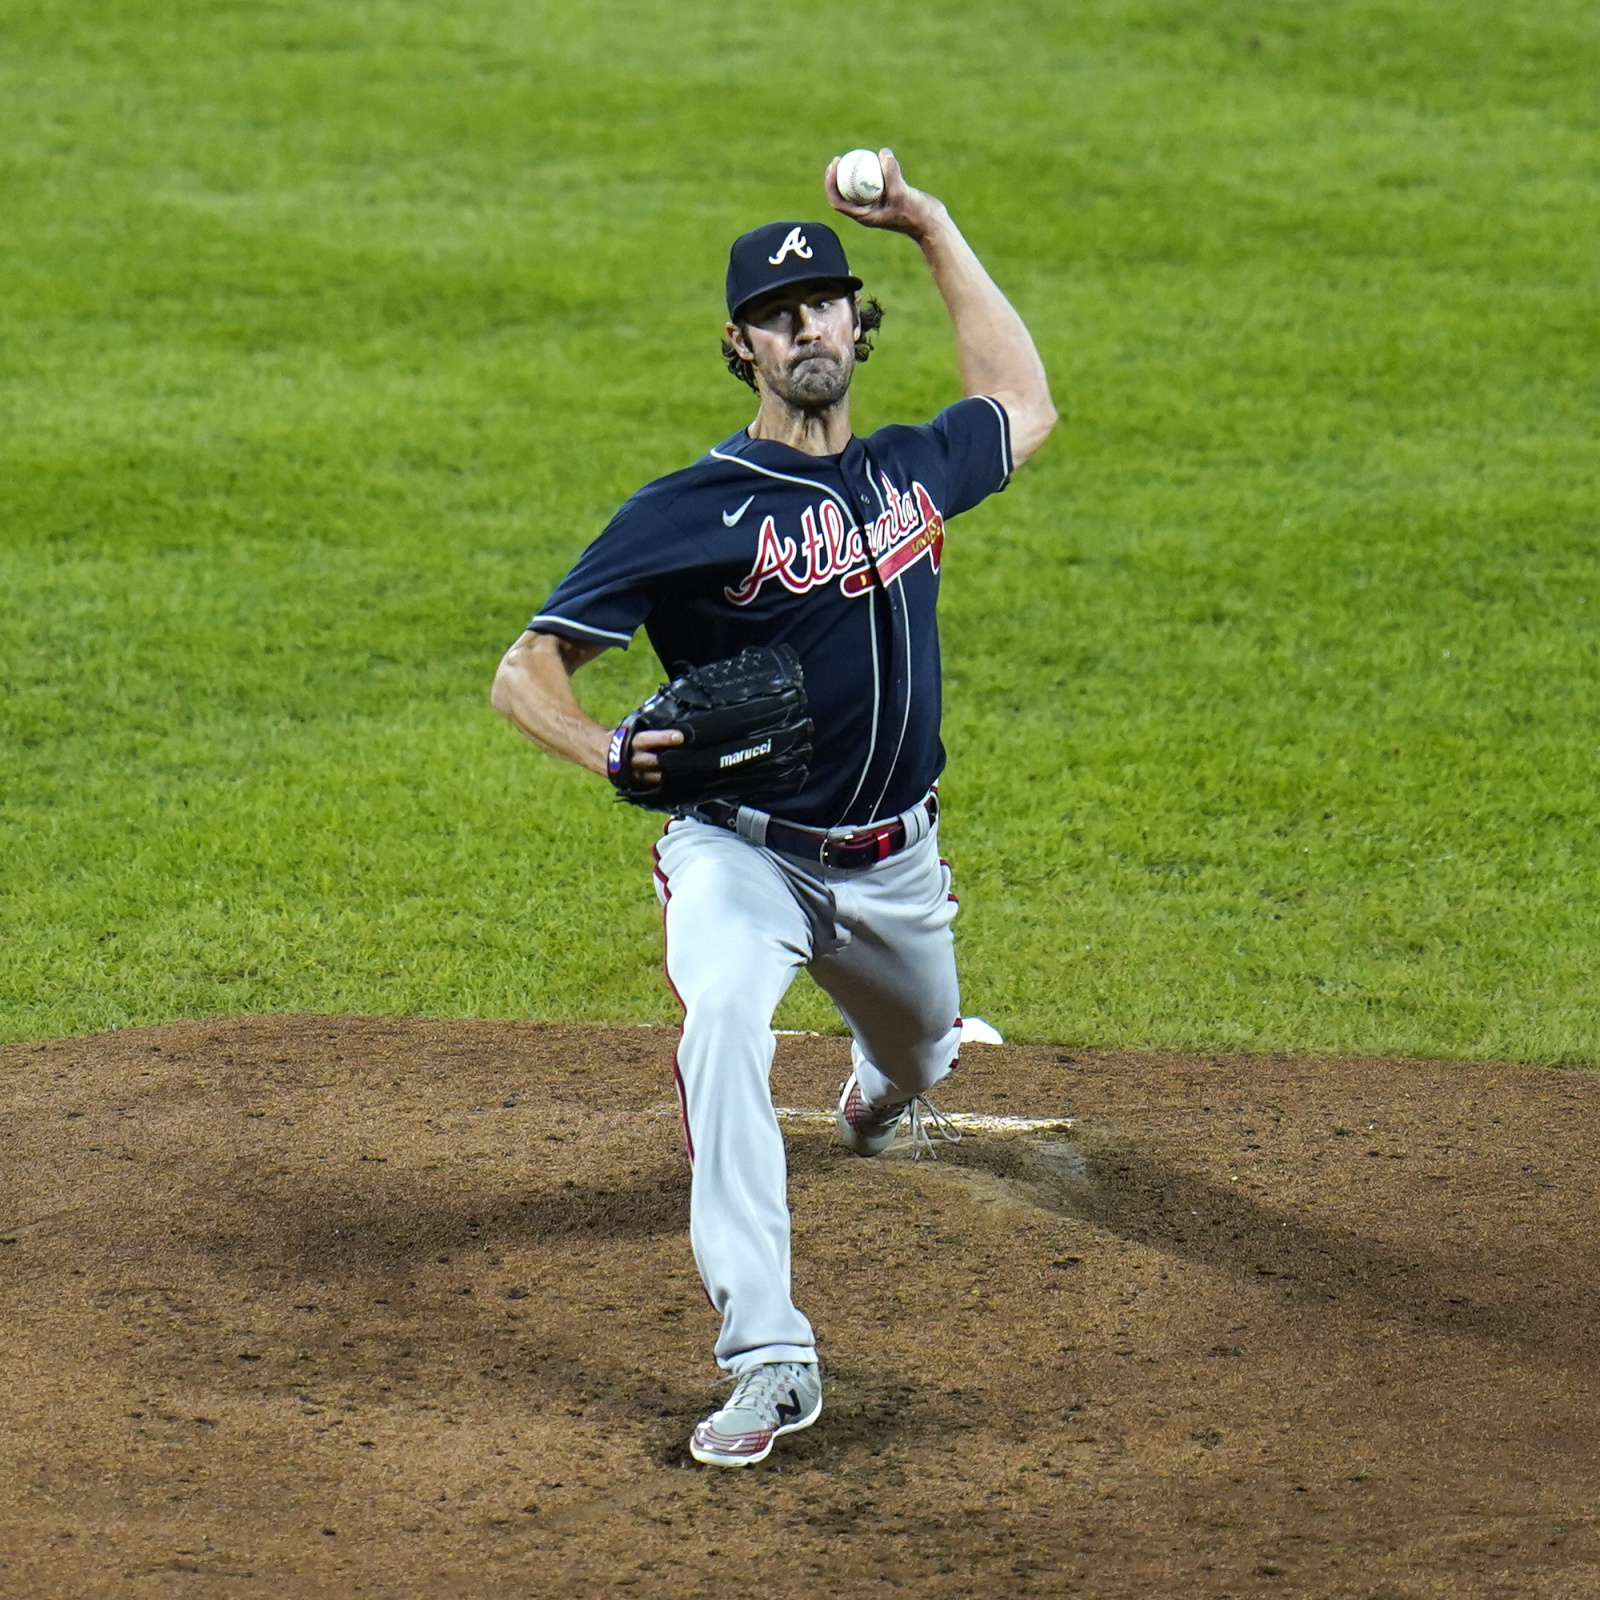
(796, 242)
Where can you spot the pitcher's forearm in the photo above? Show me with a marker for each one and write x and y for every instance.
(996, 352)
(573, 736)
(533, 690)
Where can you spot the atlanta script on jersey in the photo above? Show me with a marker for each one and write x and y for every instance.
(836, 556)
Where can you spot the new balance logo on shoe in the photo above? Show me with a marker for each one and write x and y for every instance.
(794, 243)
(789, 1409)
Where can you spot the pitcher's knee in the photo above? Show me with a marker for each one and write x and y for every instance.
(914, 1065)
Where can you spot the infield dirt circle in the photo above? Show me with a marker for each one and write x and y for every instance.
(334, 1307)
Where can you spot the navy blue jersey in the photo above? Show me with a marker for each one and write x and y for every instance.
(837, 556)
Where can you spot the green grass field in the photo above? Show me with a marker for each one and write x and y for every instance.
(332, 334)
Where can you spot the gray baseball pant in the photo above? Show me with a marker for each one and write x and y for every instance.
(741, 920)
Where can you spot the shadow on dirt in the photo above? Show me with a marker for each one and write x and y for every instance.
(389, 1225)
(1148, 1198)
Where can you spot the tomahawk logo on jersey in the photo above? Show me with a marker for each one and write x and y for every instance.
(836, 556)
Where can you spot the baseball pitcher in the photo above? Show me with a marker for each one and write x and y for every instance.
(790, 577)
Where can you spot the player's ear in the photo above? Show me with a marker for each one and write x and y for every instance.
(734, 334)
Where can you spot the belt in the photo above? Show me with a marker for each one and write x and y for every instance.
(843, 852)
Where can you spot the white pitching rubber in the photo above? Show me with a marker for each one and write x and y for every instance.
(971, 1121)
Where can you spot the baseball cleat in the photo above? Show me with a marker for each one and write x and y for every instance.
(868, 1130)
(778, 1397)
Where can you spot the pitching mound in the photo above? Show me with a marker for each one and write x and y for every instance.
(325, 1307)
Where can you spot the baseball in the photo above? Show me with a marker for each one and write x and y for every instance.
(860, 177)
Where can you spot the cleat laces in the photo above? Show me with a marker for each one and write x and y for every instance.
(926, 1123)
(760, 1389)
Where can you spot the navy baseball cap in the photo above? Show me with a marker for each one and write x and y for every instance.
(782, 253)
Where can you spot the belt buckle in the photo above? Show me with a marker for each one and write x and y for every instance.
(863, 849)
(841, 855)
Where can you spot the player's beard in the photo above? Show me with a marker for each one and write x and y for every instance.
(814, 382)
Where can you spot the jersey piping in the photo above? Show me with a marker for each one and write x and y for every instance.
(623, 639)
(1000, 411)
(877, 699)
(905, 715)
(789, 477)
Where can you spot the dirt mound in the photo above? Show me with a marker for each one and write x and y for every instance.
(335, 1307)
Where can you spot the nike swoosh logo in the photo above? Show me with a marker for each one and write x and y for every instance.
(731, 517)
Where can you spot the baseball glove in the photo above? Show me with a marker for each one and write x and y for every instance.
(746, 735)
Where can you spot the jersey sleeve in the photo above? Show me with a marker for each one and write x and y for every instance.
(974, 436)
(607, 596)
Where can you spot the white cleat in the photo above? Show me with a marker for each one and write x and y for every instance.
(776, 1398)
(868, 1130)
